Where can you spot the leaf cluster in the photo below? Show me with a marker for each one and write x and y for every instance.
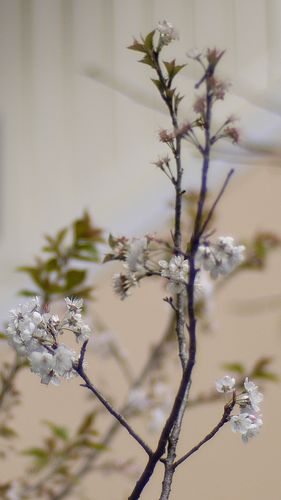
(58, 275)
(9, 398)
(60, 451)
(261, 370)
(259, 248)
(165, 74)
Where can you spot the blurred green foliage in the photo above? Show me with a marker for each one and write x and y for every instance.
(64, 272)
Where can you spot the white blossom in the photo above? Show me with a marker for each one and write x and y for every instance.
(136, 256)
(194, 53)
(220, 258)
(255, 397)
(167, 32)
(74, 321)
(225, 384)
(135, 262)
(176, 270)
(63, 361)
(247, 423)
(42, 363)
(36, 336)
(74, 305)
(122, 283)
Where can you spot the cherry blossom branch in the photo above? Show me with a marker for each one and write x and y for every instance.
(225, 418)
(179, 399)
(152, 362)
(193, 247)
(179, 308)
(88, 384)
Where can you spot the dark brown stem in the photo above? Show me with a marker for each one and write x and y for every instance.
(194, 243)
(152, 363)
(88, 384)
(181, 297)
(225, 418)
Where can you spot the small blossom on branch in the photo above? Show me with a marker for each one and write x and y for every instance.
(136, 263)
(122, 283)
(136, 256)
(220, 258)
(177, 271)
(183, 130)
(199, 105)
(36, 335)
(165, 136)
(249, 421)
(225, 384)
(167, 32)
(233, 134)
(194, 53)
(218, 87)
(253, 396)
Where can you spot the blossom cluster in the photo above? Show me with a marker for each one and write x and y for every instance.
(220, 258)
(177, 271)
(249, 420)
(35, 335)
(135, 256)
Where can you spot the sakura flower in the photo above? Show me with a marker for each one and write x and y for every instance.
(63, 360)
(167, 32)
(36, 337)
(136, 256)
(205, 258)
(194, 53)
(199, 105)
(122, 284)
(74, 305)
(225, 384)
(255, 397)
(42, 363)
(220, 258)
(176, 270)
(136, 263)
(247, 423)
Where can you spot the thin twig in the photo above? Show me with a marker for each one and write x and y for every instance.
(152, 362)
(88, 384)
(225, 418)
(212, 209)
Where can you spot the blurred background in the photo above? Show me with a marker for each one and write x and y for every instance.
(79, 122)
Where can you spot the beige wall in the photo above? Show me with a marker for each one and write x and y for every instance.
(225, 468)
